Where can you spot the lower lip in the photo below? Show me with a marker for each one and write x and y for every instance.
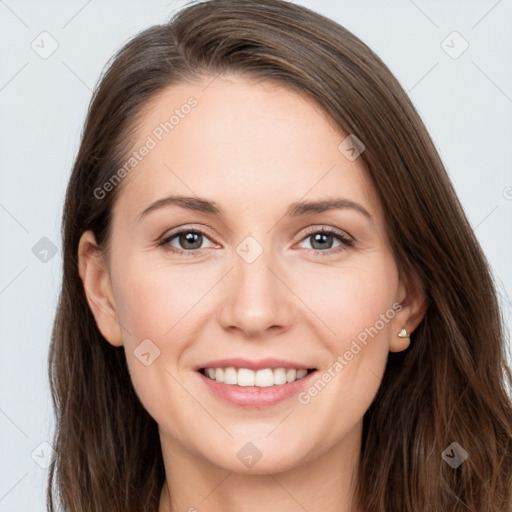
(254, 397)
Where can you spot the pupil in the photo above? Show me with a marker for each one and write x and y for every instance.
(320, 237)
(188, 238)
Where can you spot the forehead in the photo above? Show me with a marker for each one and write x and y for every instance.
(254, 146)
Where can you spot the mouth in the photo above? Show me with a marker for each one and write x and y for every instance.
(263, 378)
(254, 389)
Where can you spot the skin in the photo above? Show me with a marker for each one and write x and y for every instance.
(253, 148)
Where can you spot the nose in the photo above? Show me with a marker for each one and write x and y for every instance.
(258, 303)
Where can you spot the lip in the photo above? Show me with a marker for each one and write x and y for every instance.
(254, 397)
(239, 362)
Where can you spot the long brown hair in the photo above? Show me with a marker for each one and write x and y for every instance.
(449, 386)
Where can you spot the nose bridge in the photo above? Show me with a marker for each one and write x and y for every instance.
(257, 299)
(252, 265)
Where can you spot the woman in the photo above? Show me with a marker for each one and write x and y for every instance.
(256, 369)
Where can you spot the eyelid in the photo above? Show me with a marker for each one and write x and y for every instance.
(328, 230)
(187, 227)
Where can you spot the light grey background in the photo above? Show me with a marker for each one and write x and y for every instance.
(465, 102)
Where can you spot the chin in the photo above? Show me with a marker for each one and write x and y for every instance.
(257, 457)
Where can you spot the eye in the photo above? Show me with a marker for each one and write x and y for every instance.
(323, 239)
(188, 240)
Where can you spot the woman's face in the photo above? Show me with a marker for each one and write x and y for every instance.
(258, 287)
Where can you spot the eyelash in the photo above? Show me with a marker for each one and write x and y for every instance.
(345, 241)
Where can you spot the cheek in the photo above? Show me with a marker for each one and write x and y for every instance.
(162, 303)
(355, 314)
(349, 301)
(155, 306)
(155, 309)
(156, 302)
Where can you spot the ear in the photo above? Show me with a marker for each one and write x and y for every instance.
(413, 308)
(98, 290)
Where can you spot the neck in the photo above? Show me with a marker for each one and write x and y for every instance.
(325, 484)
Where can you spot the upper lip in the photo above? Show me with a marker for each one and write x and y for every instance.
(239, 362)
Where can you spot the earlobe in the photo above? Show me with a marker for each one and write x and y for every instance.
(413, 309)
(98, 290)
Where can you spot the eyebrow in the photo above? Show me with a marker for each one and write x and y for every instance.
(294, 209)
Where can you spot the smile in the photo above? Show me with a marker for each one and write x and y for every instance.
(254, 389)
(263, 378)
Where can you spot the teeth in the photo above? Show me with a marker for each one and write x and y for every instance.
(291, 374)
(260, 378)
(279, 376)
(245, 377)
(230, 376)
(301, 373)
